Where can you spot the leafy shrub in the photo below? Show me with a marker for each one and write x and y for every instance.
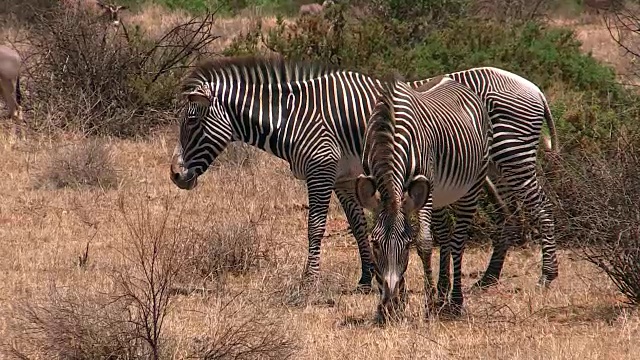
(592, 108)
(427, 10)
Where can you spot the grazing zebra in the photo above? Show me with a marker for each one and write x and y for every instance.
(517, 109)
(423, 151)
(308, 114)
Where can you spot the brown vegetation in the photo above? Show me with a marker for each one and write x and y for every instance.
(44, 231)
(131, 267)
(85, 163)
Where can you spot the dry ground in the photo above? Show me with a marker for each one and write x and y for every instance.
(43, 230)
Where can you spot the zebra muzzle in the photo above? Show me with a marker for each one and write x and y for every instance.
(185, 179)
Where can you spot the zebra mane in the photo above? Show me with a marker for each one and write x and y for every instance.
(380, 143)
(265, 70)
(430, 83)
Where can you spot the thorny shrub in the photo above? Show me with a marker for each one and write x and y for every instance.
(232, 246)
(24, 11)
(597, 197)
(87, 75)
(71, 324)
(126, 320)
(243, 332)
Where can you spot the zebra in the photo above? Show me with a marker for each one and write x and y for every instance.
(517, 109)
(423, 151)
(309, 114)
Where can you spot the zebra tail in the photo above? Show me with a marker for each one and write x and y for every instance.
(18, 93)
(551, 142)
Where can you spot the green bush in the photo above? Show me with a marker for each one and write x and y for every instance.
(593, 113)
(590, 110)
(227, 7)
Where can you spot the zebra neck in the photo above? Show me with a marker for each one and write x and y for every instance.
(261, 117)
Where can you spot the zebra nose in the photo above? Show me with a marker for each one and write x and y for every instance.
(175, 177)
(181, 177)
(184, 180)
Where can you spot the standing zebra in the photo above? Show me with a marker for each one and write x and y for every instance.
(517, 109)
(310, 115)
(423, 151)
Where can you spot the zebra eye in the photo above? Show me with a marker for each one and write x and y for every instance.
(192, 120)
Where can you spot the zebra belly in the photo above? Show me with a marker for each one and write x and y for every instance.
(451, 187)
(349, 167)
(446, 194)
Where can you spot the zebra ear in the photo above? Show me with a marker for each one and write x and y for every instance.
(199, 97)
(418, 193)
(366, 193)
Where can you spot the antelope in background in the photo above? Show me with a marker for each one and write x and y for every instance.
(10, 63)
(314, 8)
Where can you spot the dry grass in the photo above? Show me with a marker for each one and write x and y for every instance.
(156, 20)
(244, 248)
(43, 231)
(596, 39)
(83, 163)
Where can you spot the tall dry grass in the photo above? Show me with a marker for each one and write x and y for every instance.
(44, 231)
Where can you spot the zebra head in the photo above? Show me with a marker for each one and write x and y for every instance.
(205, 131)
(392, 235)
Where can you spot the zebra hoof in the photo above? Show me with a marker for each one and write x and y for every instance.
(363, 289)
(485, 283)
(451, 311)
(545, 281)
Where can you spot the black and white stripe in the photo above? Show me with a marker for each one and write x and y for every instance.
(308, 114)
(424, 151)
(517, 109)
(311, 115)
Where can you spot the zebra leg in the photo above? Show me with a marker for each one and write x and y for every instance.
(424, 247)
(464, 209)
(540, 209)
(441, 227)
(510, 228)
(320, 180)
(522, 185)
(358, 224)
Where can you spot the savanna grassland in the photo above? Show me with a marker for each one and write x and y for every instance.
(102, 257)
